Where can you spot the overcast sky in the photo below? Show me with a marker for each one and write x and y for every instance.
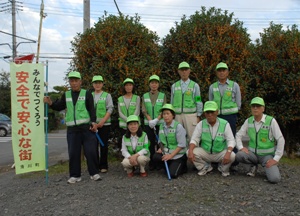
(65, 18)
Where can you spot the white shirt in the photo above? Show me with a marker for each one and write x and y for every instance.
(275, 133)
(213, 129)
(134, 141)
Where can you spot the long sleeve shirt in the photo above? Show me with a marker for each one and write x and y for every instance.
(236, 92)
(196, 93)
(275, 133)
(133, 141)
(60, 104)
(196, 137)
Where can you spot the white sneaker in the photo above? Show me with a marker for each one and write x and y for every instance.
(205, 170)
(96, 177)
(252, 171)
(225, 174)
(73, 180)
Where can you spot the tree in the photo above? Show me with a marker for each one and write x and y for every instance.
(205, 39)
(275, 71)
(5, 106)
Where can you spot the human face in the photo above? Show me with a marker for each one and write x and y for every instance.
(167, 116)
(133, 127)
(128, 87)
(75, 84)
(154, 84)
(257, 110)
(98, 86)
(211, 116)
(184, 73)
(222, 74)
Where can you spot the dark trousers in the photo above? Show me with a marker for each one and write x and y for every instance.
(104, 136)
(88, 140)
(232, 119)
(153, 141)
(176, 167)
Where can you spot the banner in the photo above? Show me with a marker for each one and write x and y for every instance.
(27, 112)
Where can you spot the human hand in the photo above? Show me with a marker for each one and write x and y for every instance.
(166, 157)
(152, 123)
(133, 160)
(191, 156)
(47, 100)
(226, 158)
(271, 162)
(93, 127)
(245, 150)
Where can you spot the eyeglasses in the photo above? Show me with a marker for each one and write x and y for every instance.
(256, 105)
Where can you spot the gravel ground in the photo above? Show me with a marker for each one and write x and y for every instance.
(116, 194)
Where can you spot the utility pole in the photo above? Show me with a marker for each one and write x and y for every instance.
(42, 15)
(86, 14)
(14, 7)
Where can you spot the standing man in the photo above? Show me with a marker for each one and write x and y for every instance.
(152, 102)
(104, 108)
(227, 94)
(217, 142)
(264, 132)
(80, 120)
(186, 100)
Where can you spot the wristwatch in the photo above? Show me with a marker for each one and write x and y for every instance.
(229, 150)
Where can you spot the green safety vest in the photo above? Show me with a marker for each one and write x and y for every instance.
(76, 115)
(140, 145)
(225, 103)
(127, 112)
(153, 111)
(218, 144)
(100, 107)
(184, 102)
(170, 142)
(260, 142)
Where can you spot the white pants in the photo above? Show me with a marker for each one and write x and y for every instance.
(189, 122)
(202, 158)
(141, 160)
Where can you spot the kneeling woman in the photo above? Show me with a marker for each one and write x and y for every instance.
(135, 147)
(173, 137)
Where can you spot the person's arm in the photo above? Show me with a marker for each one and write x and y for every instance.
(230, 144)
(138, 106)
(89, 104)
(198, 101)
(239, 135)
(58, 105)
(172, 94)
(124, 150)
(238, 97)
(211, 93)
(109, 109)
(276, 133)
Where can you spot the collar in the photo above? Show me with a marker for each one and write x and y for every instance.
(263, 119)
(186, 82)
(171, 125)
(226, 82)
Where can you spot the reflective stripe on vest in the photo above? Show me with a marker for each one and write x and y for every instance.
(216, 144)
(225, 103)
(170, 142)
(153, 111)
(76, 115)
(260, 143)
(100, 107)
(140, 145)
(127, 112)
(184, 102)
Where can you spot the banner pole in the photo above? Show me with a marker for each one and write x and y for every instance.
(46, 124)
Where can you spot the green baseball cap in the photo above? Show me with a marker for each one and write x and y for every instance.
(74, 74)
(133, 118)
(168, 107)
(128, 80)
(258, 100)
(97, 78)
(210, 106)
(154, 77)
(183, 65)
(222, 65)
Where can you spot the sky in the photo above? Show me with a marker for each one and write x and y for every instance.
(65, 19)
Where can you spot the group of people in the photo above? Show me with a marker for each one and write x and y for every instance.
(173, 133)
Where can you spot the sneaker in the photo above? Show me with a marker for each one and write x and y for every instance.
(96, 177)
(73, 180)
(130, 174)
(225, 174)
(205, 170)
(103, 170)
(252, 171)
(144, 174)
